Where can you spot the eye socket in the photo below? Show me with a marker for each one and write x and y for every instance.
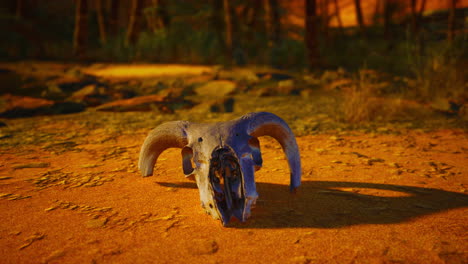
(200, 139)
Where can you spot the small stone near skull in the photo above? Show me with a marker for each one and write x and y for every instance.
(203, 247)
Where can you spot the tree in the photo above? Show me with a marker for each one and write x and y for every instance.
(19, 9)
(80, 34)
(272, 20)
(217, 20)
(311, 31)
(359, 17)
(101, 21)
(416, 17)
(134, 25)
(157, 15)
(387, 15)
(325, 18)
(114, 17)
(338, 16)
(228, 29)
(451, 20)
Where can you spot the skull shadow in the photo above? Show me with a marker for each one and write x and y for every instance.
(330, 204)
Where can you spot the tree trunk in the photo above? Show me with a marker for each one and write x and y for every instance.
(451, 20)
(134, 25)
(311, 33)
(359, 17)
(228, 29)
(159, 18)
(250, 16)
(376, 15)
(114, 17)
(422, 8)
(101, 22)
(80, 34)
(414, 17)
(272, 21)
(338, 16)
(217, 20)
(163, 14)
(386, 19)
(19, 9)
(325, 19)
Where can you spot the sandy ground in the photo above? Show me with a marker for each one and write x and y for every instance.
(365, 198)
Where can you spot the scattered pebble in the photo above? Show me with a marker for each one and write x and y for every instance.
(301, 260)
(31, 165)
(96, 223)
(31, 239)
(202, 247)
(12, 197)
(374, 160)
(54, 256)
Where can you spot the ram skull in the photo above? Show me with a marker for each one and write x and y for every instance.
(223, 157)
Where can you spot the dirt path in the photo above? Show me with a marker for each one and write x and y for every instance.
(71, 194)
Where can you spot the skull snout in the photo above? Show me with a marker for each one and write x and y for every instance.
(226, 181)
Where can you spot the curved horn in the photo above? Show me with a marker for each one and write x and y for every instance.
(167, 135)
(268, 124)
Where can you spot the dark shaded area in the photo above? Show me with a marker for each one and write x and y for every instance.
(321, 204)
(56, 108)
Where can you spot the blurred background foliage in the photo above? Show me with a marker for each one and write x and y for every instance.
(399, 37)
(193, 32)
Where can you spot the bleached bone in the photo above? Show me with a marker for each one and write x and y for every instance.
(223, 157)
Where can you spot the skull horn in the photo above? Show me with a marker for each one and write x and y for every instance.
(268, 124)
(168, 135)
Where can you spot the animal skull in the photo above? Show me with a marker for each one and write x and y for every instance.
(225, 156)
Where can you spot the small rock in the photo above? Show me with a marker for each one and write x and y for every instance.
(301, 260)
(320, 151)
(278, 76)
(202, 247)
(53, 92)
(463, 112)
(374, 160)
(2, 136)
(15, 233)
(224, 105)
(91, 95)
(394, 164)
(24, 106)
(397, 172)
(359, 155)
(239, 75)
(216, 88)
(54, 256)
(96, 223)
(444, 105)
(141, 103)
(31, 165)
(31, 239)
(340, 84)
(73, 83)
(85, 91)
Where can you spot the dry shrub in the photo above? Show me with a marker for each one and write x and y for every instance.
(363, 102)
(359, 103)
